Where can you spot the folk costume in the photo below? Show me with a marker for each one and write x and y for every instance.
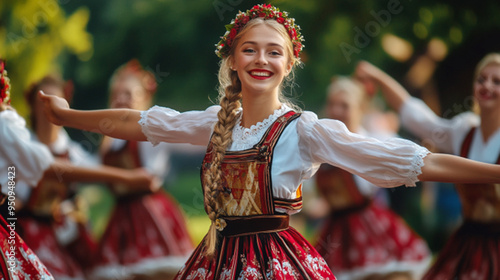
(24, 161)
(361, 237)
(263, 170)
(51, 223)
(146, 233)
(473, 251)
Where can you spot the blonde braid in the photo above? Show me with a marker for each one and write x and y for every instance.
(221, 138)
(229, 99)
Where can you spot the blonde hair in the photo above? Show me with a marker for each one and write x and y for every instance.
(349, 86)
(489, 59)
(230, 102)
(133, 68)
(225, 71)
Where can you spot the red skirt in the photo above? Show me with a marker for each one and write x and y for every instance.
(278, 256)
(473, 252)
(371, 239)
(39, 234)
(76, 239)
(24, 264)
(146, 235)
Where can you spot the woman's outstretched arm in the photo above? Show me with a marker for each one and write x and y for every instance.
(117, 123)
(455, 169)
(136, 179)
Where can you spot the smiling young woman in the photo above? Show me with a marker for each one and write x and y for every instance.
(260, 150)
(473, 251)
(262, 61)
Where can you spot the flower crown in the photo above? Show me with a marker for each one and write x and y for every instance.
(265, 11)
(4, 84)
(134, 68)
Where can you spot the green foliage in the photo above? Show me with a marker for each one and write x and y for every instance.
(34, 37)
(175, 39)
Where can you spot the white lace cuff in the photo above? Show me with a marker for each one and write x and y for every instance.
(145, 128)
(417, 164)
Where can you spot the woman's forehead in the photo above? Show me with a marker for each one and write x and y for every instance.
(263, 34)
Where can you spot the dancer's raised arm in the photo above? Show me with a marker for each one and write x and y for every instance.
(393, 92)
(117, 123)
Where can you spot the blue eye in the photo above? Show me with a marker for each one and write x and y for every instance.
(248, 51)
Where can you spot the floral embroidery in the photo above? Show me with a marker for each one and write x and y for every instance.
(316, 264)
(200, 273)
(225, 273)
(250, 273)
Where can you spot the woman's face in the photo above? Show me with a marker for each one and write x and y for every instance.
(127, 92)
(487, 88)
(261, 60)
(344, 107)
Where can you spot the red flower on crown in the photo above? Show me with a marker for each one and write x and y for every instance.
(265, 11)
(4, 84)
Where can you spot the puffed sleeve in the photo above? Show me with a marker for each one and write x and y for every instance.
(30, 159)
(445, 134)
(160, 124)
(390, 163)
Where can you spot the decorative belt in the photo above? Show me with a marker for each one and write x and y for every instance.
(232, 226)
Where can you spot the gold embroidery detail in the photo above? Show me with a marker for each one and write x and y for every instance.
(220, 224)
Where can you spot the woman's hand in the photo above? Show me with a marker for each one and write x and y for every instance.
(395, 94)
(116, 123)
(53, 107)
(366, 71)
(140, 180)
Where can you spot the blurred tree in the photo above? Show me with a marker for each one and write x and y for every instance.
(339, 33)
(175, 39)
(34, 37)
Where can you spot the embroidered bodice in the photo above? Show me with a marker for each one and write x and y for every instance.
(304, 145)
(480, 202)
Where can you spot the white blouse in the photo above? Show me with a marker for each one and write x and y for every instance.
(365, 187)
(17, 149)
(156, 158)
(63, 144)
(448, 134)
(306, 143)
(76, 153)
